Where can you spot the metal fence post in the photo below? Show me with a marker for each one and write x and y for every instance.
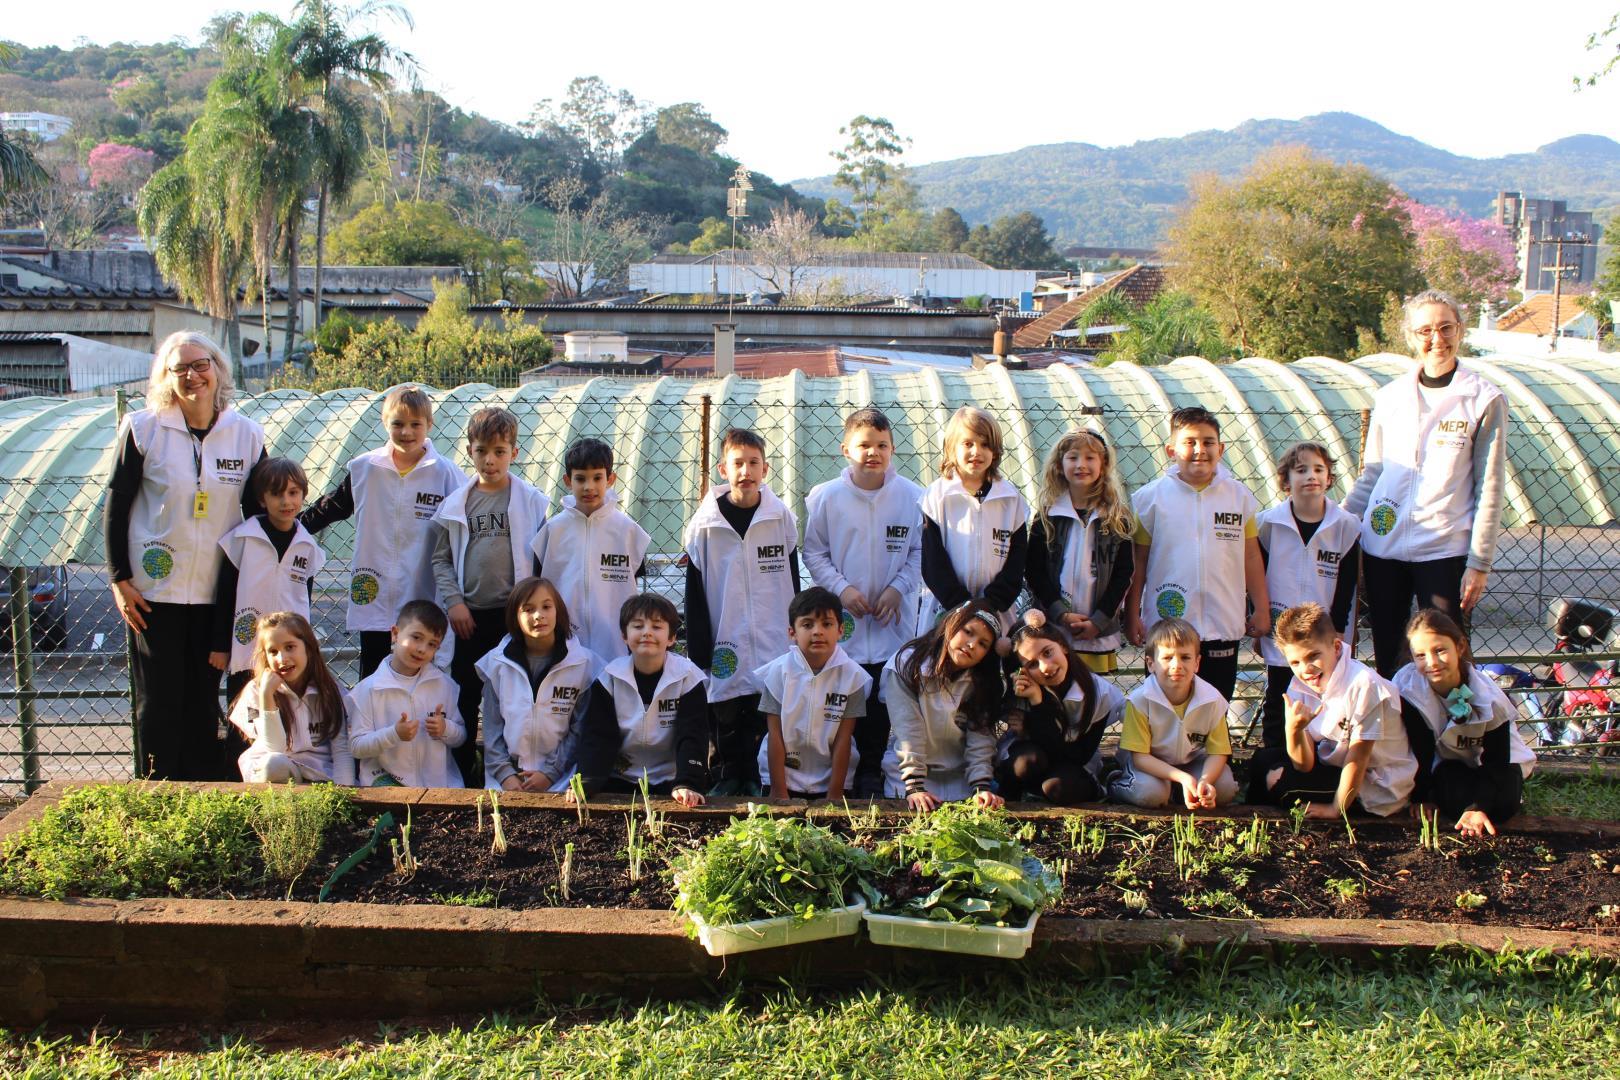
(22, 648)
(703, 485)
(120, 407)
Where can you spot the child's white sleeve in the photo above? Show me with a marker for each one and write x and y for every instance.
(455, 728)
(244, 715)
(343, 770)
(369, 734)
(818, 551)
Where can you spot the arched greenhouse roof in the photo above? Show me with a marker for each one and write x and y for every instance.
(55, 454)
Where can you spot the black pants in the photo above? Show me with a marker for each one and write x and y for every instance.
(1496, 790)
(736, 728)
(871, 738)
(1321, 784)
(1030, 771)
(1273, 714)
(489, 626)
(375, 645)
(235, 744)
(1218, 664)
(1391, 588)
(177, 695)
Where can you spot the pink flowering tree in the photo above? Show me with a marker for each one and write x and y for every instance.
(1468, 257)
(120, 168)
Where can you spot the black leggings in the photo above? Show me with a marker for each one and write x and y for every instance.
(1495, 790)
(375, 645)
(1321, 784)
(1391, 588)
(1029, 770)
(871, 738)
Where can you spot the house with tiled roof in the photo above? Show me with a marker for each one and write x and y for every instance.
(1138, 285)
(1536, 315)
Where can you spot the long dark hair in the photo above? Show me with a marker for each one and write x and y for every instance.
(930, 667)
(328, 711)
(1079, 675)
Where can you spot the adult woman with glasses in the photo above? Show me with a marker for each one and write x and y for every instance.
(178, 485)
(1431, 486)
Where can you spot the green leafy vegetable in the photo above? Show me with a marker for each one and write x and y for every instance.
(964, 864)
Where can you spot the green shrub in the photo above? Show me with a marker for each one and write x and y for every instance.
(291, 824)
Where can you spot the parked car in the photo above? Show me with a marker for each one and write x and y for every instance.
(47, 606)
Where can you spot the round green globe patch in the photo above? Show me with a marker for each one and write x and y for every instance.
(1171, 604)
(725, 662)
(847, 628)
(1383, 520)
(156, 563)
(246, 624)
(363, 588)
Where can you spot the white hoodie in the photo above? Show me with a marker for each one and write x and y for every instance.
(1196, 557)
(526, 511)
(873, 541)
(1296, 572)
(593, 562)
(1465, 740)
(1359, 705)
(268, 736)
(977, 535)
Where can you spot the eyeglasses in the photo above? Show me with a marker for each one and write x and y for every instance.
(196, 367)
(1446, 331)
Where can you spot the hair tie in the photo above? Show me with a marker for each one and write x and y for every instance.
(1459, 703)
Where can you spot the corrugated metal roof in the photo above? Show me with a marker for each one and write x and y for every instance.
(891, 260)
(55, 454)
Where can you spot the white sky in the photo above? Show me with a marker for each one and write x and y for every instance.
(1481, 78)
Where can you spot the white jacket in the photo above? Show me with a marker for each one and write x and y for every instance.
(526, 512)
(748, 583)
(1422, 505)
(648, 730)
(173, 554)
(1359, 705)
(1196, 558)
(977, 535)
(381, 757)
(928, 749)
(1465, 740)
(1298, 573)
(265, 583)
(539, 726)
(391, 564)
(873, 541)
(267, 735)
(814, 705)
(593, 562)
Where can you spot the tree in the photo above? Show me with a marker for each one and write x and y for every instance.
(71, 218)
(121, 168)
(429, 234)
(1598, 41)
(689, 124)
(785, 251)
(183, 216)
(869, 161)
(603, 120)
(715, 235)
(1297, 256)
(589, 240)
(1469, 258)
(1170, 325)
(1606, 289)
(950, 231)
(1015, 242)
(19, 169)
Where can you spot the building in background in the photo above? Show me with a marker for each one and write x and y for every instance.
(1537, 225)
(46, 127)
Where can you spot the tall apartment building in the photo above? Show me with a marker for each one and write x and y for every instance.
(1536, 220)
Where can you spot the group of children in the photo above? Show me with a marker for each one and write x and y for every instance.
(905, 669)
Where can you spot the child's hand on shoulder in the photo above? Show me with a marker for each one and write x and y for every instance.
(436, 723)
(687, 797)
(405, 728)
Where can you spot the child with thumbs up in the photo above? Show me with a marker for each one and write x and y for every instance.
(404, 719)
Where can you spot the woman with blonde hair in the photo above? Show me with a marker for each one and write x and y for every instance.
(178, 485)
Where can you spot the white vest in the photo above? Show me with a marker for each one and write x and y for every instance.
(1358, 705)
(813, 707)
(1195, 567)
(748, 583)
(265, 583)
(174, 555)
(330, 759)
(391, 564)
(648, 731)
(1422, 506)
(593, 561)
(1076, 585)
(1177, 739)
(1298, 573)
(539, 723)
(873, 541)
(977, 535)
(525, 512)
(380, 756)
(1465, 741)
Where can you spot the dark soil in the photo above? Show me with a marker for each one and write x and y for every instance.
(1560, 882)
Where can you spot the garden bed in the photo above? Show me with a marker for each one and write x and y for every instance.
(474, 929)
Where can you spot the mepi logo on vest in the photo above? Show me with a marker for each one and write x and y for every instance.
(228, 470)
(771, 558)
(894, 538)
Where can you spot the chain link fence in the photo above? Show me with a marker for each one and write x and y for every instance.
(66, 675)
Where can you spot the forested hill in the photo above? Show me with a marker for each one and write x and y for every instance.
(1125, 195)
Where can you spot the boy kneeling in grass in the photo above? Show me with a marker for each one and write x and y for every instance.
(1345, 740)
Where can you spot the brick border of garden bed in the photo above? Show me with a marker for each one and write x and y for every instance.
(138, 961)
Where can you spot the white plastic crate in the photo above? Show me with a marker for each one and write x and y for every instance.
(908, 932)
(728, 938)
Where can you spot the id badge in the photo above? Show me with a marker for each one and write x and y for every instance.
(199, 505)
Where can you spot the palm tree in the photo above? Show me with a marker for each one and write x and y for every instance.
(1168, 326)
(328, 56)
(19, 169)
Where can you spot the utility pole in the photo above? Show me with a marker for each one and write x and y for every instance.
(1558, 270)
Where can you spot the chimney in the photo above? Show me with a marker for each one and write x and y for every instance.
(725, 349)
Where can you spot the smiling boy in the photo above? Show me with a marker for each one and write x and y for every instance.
(404, 723)
(1196, 550)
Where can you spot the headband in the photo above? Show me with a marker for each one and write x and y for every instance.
(988, 619)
